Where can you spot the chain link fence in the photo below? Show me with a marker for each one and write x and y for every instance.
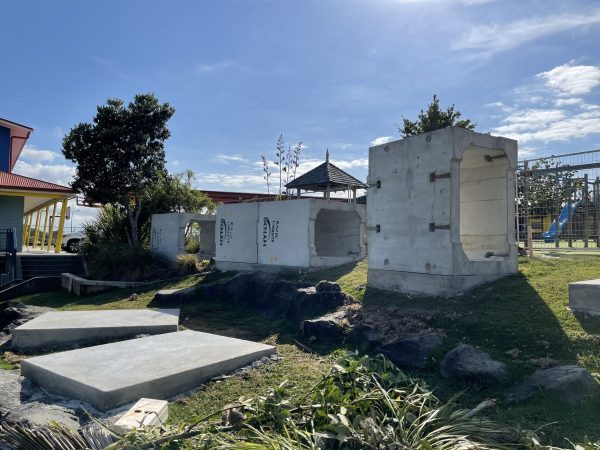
(558, 202)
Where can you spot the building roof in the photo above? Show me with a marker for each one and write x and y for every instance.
(18, 137)
(326, 176)
(237, 197)
(21, 183)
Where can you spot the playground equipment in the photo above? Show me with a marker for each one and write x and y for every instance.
(566, 214)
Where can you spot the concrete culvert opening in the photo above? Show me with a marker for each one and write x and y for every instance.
(337, 233)
(193, 231)
(484, 204)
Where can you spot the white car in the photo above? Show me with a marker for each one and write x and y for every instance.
(71, 241)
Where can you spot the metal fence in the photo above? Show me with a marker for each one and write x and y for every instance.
(558, 202)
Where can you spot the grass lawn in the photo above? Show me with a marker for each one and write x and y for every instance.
(525, 315)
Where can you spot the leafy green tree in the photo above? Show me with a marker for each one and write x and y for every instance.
(120, 155)
(434, 118)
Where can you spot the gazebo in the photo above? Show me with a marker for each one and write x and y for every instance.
(326, 178)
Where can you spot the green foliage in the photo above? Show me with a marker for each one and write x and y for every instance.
(549, 186)
(187, 264)
(434, 119)
(120, 155)
(113, 260)
(362, 403)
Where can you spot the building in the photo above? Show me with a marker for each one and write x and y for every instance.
(28, 207)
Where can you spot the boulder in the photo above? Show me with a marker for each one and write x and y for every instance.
(412, 351)
(569, 384)
(326, 329)
(469, 364)
(171, 297)
(267, 292)
(327, 286)
(14, 314)
(365, 336)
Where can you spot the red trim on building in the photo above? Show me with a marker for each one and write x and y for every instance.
(19, 182)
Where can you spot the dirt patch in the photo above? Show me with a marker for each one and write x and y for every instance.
(393, 323)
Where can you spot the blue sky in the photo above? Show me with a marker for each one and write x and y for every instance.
(334, 74)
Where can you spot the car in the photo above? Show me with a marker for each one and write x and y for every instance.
(71, 241)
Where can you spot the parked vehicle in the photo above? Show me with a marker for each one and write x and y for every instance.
(71, 241)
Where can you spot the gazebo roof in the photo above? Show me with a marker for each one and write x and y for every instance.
(326, 176)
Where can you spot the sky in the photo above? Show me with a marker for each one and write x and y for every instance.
(332, 74)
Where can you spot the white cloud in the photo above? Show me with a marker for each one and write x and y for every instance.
(230, 158)
(526, 152)
(529, 119)
(58, 173)
(214, 67)
(568, 80)
(570, 118)
(496, 37)
(567, 101)
(32, 153)
(382, 140)
(571, 127)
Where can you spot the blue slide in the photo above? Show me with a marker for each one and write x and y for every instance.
(563, 219)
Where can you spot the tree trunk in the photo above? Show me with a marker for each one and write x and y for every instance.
(133, 217)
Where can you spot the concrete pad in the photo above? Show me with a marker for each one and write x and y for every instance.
(584, 297)
(110, 375)
(146, 412)
(60, 329)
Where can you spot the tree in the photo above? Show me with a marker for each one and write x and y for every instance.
(121, 155)
(434, 119)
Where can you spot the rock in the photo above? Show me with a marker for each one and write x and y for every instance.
(365, 336)
(326, 286)
(325, 329)
(14, 314)
(472, 365)
(170, 297)
(267, 292)
(21, 400)
(569, 384)
(413, 351)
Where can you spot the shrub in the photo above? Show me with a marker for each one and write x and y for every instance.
(192, 246)
(117, 261)
(187, 264)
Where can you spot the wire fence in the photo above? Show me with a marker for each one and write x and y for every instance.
(558, 202)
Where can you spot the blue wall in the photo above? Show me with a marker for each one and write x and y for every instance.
(4, 149)
(11, 215)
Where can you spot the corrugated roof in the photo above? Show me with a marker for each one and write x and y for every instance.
(326, 174)
(13, 181)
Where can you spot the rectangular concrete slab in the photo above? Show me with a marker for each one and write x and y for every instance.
(110, 375)
(584, 297)
(60, 329)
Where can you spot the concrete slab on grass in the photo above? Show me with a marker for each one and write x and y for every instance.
(584, 297)
(63, 329)
(110, 375)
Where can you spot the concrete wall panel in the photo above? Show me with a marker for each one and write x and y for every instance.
(282, 233)
(236, 233)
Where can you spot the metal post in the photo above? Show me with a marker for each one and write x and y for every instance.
(557, 215)
(597, 209)
(51, 230)
(586, 229)
(61, 226)
(27, 230)
(37, 228)
(45, 226)
(528, 231)
(569, 212)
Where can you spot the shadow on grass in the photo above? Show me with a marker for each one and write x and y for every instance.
(508, 315)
